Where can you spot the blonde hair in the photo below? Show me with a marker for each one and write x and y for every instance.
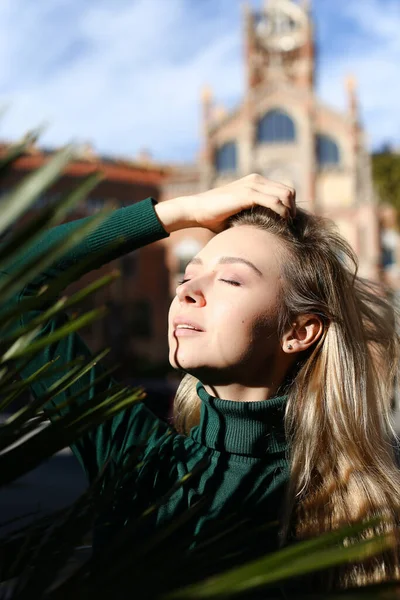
(337, 420)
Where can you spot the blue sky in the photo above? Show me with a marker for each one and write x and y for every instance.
(126, 74)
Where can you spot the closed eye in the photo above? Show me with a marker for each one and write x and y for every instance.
(230, 281)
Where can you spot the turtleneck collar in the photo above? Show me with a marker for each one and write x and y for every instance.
(253, 429)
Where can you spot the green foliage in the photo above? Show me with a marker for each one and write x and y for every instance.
(299, 559)
(43, 560)
(386, 176)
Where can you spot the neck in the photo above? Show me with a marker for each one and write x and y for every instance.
(242, 393)
(253, 382)
(250, 429)
(254, 385)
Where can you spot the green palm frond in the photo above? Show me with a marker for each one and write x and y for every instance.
(300, 559)
(52, 215)
(60, 306)
(34, 267)
(50, 292)
(29, 190)
(15, 151)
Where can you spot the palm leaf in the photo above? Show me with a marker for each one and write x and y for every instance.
(7, 387)
(18, 351)
(302, 558)
(29, 270)
(24, 237)
(60, 306)
(13, 391)
(15, 151)
(27, 192)
(67, 380)
(62, 433)
(50, 292)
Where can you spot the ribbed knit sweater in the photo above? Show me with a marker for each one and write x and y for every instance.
(240, 446)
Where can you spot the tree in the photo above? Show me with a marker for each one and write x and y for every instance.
(386, 176)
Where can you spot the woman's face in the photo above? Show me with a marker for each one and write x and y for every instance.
(234, 304)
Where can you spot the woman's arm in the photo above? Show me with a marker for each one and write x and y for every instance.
(125, 230)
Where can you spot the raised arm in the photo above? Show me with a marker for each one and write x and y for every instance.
(132, 227)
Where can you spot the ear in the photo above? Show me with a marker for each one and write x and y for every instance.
(304, 332)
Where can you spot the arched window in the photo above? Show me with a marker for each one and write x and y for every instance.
(389, 242)
(225, 157)
(327, 151)
(276, 127)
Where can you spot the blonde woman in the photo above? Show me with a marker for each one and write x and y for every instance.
(289, 357)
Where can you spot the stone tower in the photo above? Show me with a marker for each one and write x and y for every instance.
(279, 44)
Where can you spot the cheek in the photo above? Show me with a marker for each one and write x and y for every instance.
(173, 309)
(234, 323)
(243, 324)
(265, 330)
(228, 312)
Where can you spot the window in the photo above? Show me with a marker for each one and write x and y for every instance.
(225, 157)
(276, 127)
(388, 258)
(327, 151)
(94, 203)
(389, 242)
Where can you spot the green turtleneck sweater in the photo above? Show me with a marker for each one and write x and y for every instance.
(238, 447)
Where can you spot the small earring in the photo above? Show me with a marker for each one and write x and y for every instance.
(290, 347)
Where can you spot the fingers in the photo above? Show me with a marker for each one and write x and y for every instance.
(284, 193)
(271, 201)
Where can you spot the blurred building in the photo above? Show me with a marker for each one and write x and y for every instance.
(283, 131)
(136, 325)
(280, 129)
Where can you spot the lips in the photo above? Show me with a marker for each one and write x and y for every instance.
(183, 321)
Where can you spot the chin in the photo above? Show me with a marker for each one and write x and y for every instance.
(185, 365)
(206, 373)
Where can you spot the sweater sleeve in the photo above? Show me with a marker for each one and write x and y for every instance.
(135, 226)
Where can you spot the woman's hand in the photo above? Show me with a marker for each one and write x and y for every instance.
(211, 209)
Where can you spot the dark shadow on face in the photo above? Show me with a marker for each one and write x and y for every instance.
(181, 368)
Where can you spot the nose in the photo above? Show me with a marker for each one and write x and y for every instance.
(190, 293)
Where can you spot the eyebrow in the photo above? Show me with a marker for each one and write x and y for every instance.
(228, 260)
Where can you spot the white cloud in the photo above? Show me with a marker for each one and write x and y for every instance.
(127, 75)
(137, 84)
